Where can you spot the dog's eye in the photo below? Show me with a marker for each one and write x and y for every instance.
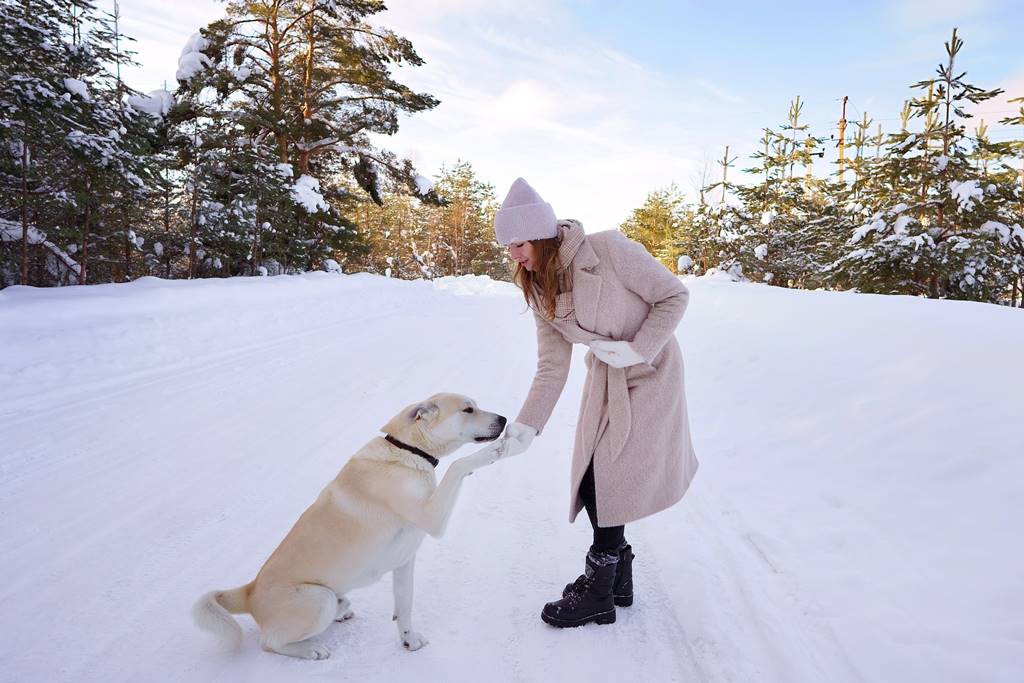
(468, 410)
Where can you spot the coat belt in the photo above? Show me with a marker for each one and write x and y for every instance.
(608, 387)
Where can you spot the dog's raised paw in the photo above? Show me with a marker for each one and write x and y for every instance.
(413, 641)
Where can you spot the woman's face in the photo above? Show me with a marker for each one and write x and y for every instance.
(523, 253)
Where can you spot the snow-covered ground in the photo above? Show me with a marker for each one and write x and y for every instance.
(857, 515)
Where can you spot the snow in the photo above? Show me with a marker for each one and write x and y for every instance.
(760, 251)
(423, 184)
(1000, 230)
(77, 87)
(900, 226)
(157, 103)
(734, 274)
(11, 231)
(855, 518)
(965, 193)
(876, 224)
(684, 263)
(192, 59)
(306, 191)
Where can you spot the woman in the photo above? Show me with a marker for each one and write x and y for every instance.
(632, 456)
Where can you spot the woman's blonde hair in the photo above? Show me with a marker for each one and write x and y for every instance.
(540, 286)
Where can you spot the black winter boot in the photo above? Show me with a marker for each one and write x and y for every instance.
(591, 600)
(622, 589)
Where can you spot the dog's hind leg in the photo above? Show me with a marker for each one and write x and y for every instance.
(402, 583)
(305, 611)
(344, 609)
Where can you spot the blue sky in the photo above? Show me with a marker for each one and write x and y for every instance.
(598, 103)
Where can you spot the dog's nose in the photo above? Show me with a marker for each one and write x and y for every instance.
(502, 420)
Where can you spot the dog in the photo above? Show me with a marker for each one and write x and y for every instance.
(368, 521)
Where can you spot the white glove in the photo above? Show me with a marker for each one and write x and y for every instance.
(519, 437)
(618, 354)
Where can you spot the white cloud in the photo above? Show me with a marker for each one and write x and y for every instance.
(527, 93)
(915, 13)
(524, 91)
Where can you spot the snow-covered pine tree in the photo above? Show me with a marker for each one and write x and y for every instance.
(107, 143)
(34, 109)
(784, 231)
(1011, 181)
(311, 79)
(75, 152)
(933, 226)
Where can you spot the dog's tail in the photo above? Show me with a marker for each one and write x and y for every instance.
(212, 612)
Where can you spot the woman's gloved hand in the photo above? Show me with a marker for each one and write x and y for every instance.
(519, 437)
(618, 354)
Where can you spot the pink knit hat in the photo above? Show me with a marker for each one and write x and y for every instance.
(524, 216)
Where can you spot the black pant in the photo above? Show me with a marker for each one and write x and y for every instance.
(606, 538)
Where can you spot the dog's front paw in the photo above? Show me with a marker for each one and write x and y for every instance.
(344, 612)
(413, 640)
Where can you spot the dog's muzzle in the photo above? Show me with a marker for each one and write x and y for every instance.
(498, 425)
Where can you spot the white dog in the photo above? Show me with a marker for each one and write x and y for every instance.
(368, 521)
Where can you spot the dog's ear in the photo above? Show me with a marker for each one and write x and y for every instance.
(427, 410)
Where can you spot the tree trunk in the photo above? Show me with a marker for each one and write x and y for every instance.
(84, 265)
(275, 39)
(307, 81)
(24, 212)
(167, 226)
(192, 234)
(127, 257)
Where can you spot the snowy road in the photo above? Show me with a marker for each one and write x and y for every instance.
(854, 517)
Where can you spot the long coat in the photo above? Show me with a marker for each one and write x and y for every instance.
(632, 421)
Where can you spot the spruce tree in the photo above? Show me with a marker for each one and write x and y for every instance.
(932, 223)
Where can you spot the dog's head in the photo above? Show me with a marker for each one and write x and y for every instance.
(442, 423)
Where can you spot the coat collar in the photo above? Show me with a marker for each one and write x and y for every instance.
(586, 287)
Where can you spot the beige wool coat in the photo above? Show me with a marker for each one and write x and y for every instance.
(632, 421)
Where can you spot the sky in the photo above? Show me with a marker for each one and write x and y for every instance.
(598, 104)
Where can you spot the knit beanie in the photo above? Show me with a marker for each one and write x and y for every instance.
(524, 216)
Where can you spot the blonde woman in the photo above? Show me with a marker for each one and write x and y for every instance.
(632, 455)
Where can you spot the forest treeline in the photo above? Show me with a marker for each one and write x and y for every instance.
(260, 162)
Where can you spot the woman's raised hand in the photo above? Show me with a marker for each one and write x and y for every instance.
(519, 437)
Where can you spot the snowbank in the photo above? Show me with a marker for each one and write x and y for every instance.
(856, 516)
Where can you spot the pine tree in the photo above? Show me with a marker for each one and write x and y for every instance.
(657, 225)
(464, 220)
(783, 231)
(933, 226)
(1011, 181)
(307, 81)
(34, 107)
